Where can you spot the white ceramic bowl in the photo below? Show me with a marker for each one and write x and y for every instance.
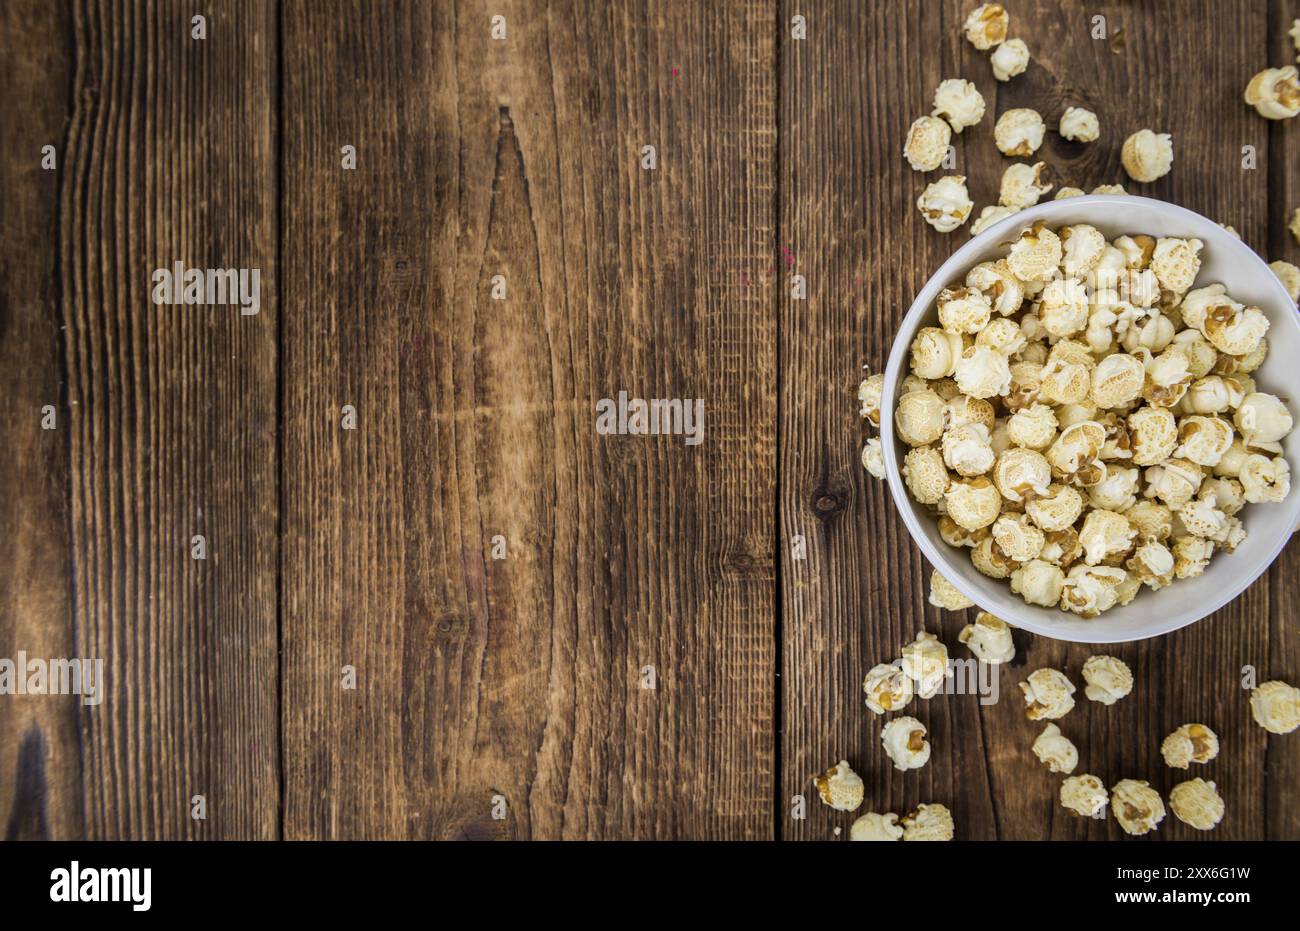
(1269, 526)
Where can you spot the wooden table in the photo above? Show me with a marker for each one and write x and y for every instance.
(503, 581)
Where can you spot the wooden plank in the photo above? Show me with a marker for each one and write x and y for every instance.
(513, 686)
(849, 92)
(171, 417)
(40, 772)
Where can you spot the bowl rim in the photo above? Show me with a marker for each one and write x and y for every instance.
(1030, 617)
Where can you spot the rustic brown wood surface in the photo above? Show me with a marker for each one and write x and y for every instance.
(502, 582)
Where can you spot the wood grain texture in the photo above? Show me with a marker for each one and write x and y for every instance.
(847, 210)
(515, 682)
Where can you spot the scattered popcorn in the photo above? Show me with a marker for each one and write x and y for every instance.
(873, 458)
(986, 26)
(1079, 125)
(1063, 193)
(925, 662)
(1055, 749)
(927, 143)
(1294, 225)
(840, 787)
(1275, 706)
(1289, 275)
(875, 827)
(959, 102)
(1147, 156)
(1009, 59)
(1019, 132)
(928, 823)
(1084, 795)
(989, 638)
(1108, 678)
(1191, 743)
(1274, 93)
(1137, 806)
(887, 687)
(945, 204)
(869, 395)
(1022, 185)
(904, 740)
(1109, 189)
(1294, 33)
(943, 594)
(988, 216)
(1048, 694)
(1196, 803)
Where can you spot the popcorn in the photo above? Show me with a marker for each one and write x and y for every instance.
(1003, 336)
(1166, 376)
(1017, 537)
(904, 740)
(1230, 465)
(1009, 59)
(988, 216)
(1294, 225)
(945, 204)
(1109, 189)
(1055, 509)
(927, 143)
(1117, 381)
(963, 410)
(1152, 564)
(959, 102)
(1154, 522)
(983, 372)
(1263, 420)
(1137, 806)
(1004, 290)
(1074, 454)
(1203, 440)
(1196, 803)
(1021, 473)
(1265, 480)
(1214, 394)
(1275, 706)
(875, 827)
(1019, 132)
(840, 787)
(925, 475)
(967, 450)
(1035, 253)
(1064, 192)
(988, 559)
(1147, 156)
(1191, 556)
(1064, 383)
(1174, 481)
(935, 352)
(1048, 695)
(1176, 263)
(1038, 582)
(1289, 275)
(1191, 743)
(1084, 795)
(1226, 493)
(1090, 590)
(1022, 185)
(1055, 750)
(1084, 246)
(1079, 125)
(925, 662)
(1108, 678)
(943, 594)
(1033, 427)
(986, 26)
(928, 823)
(920, 417)
(887, 688)
(1153, 435)
(989, 638)
(964, 310)
(1274, 93)
(1063, 307)
(873, 458)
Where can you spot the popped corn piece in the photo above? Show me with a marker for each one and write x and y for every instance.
(1020, 474)
(1147, 156)
(1109, 189)
(988, 559)
(967, 450)
(1203, 440)
(876, 827)
(1289, 275)
(927, 143)
(1137, 806)
(1191, 743)
(1026, 379)
(954, 534)
(1275, 706)
(1004, 290)
(1022, 185)
(989, 638)
(1152, 564)
(1104, 534)
(990, 215)
(1117, 491)
(1230, 465)
(1197, 803)
(1064, 192)
(983, 372)
(1154, 522)
(1108, 678)
(1173, 481)
(1002, 335)
(1237, 333)
(925, 662)
(1294, 33)
(934, 352)
(1191, 556)
(945, 204)
(840, 787)
(1265, 480)
(1033, 427)
(1035, 253)
(963, 410)
(1063, 307)
(1064, 383)
(873, 458)
(1039, 583)
(1091, 590)
(1010, 59)
(925, 475)
(887, 688)
(928, 823)
(1055, 509)
(1117, 381)
(1056, 750)
(1079, 125)
(1176, 263)
(869, 395)
(1048, 695)
(973, 505)
(1201, 518)
(913, 382)
(959, 102)
(963, 310)
(920, 417)
(1227, 494)
(1153, 435)
(1083, 247)
(1084, 795)
(1214, 394)
(1252, 360)
(1274, 93)
(1294, 225)
(1019, 132)
(1166, 376)
(905, 743)
(1263, 420)
(986, 26)
(1017, 537)
(1074, 456)
(1152, 332)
